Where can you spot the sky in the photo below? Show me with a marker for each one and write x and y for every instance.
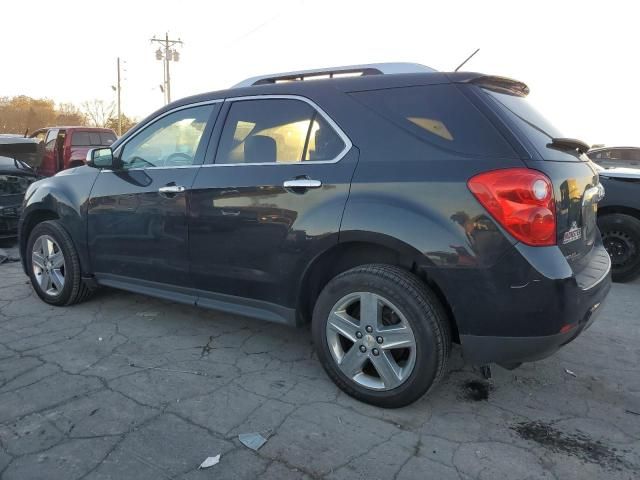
(581, 59)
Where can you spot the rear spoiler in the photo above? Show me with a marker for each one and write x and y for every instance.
(501, 85)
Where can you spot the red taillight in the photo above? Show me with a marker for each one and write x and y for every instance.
(521, 200)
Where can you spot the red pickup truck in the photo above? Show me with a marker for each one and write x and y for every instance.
(66, 147)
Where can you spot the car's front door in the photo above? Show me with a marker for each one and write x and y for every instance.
(137, 216)
(49, 163)
(271, 201)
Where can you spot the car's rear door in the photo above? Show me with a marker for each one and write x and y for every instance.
(137, 215)
(272, 199)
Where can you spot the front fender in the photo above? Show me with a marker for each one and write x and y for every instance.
(65, 197)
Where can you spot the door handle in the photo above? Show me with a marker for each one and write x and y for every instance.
(172, 189)
(230, 213)
(302, 183)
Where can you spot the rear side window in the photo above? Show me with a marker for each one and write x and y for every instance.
(107, 138)
(276, 131)
(440, 115)
(89, 139)
(538, 130)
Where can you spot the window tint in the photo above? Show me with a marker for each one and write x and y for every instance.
(276, 131)
(171, 141)
(50, 142)
(629, 154)
(440, 115)
(80, 139)
(85, 139)
(532, 124)
(107, 138)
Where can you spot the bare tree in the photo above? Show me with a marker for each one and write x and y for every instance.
(98, 112)
(69, 114)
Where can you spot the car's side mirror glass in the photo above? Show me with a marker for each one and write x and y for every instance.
(100, 158)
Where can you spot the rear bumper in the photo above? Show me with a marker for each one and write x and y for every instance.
(482, 350)
(528, 305)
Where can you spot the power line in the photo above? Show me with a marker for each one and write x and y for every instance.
(168, 54)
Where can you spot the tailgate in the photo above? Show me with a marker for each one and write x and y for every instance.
(576, 184)
(577, 191)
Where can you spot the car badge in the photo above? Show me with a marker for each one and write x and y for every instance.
(573, 234)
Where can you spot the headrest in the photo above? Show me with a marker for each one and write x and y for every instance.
(260, 149)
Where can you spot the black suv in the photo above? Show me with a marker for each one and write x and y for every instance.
(397, 212)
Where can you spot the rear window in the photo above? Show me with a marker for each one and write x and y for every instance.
(90, 139)
(538, 130)
(440, 115)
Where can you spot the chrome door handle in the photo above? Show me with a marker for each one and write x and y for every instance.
(302, 183)
(172, 189)
(230, 213)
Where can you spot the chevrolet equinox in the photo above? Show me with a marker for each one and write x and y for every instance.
(396, 208)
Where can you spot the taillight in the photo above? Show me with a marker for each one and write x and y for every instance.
(521, 200)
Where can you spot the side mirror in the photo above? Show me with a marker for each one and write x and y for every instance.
(100, 158)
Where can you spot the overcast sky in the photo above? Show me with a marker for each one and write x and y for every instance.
(581, 59)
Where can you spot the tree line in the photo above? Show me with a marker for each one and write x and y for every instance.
(22, 114)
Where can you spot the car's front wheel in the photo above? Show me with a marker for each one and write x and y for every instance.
(381, 335)
(53, 265)
(621, 238)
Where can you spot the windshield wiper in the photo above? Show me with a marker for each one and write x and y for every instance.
(569, 144)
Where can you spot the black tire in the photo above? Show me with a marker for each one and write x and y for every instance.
(621, 237)
(74, 289)
(423, 312)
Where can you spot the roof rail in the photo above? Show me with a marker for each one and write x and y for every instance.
(332, 72)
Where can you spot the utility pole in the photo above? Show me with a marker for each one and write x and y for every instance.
(119, 110)
(118, 89)
(167, 53)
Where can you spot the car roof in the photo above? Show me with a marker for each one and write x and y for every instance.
(346, 84)
(74, 127)
(602, 149)
(310, 88)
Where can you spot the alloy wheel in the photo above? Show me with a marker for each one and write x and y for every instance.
(371, 341)
(47, 262)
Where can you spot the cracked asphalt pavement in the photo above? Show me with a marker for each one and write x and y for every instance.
(125, 386)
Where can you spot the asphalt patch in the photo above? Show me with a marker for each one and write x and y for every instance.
(575, 444)
(476, 390)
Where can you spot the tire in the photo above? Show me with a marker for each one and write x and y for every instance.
(621, 238)
(411, 304)
(73, 290)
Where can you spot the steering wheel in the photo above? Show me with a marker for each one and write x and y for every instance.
(178, 159)
(134, 160)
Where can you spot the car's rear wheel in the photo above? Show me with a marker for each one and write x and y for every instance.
(381, 335)
(53, 265)
(621, 238)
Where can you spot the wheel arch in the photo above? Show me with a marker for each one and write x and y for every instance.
(48, 203)
(355, 252)
(612, 209)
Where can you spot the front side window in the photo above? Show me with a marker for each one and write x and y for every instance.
(169, 142)
(50, 142)
(276, 131)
